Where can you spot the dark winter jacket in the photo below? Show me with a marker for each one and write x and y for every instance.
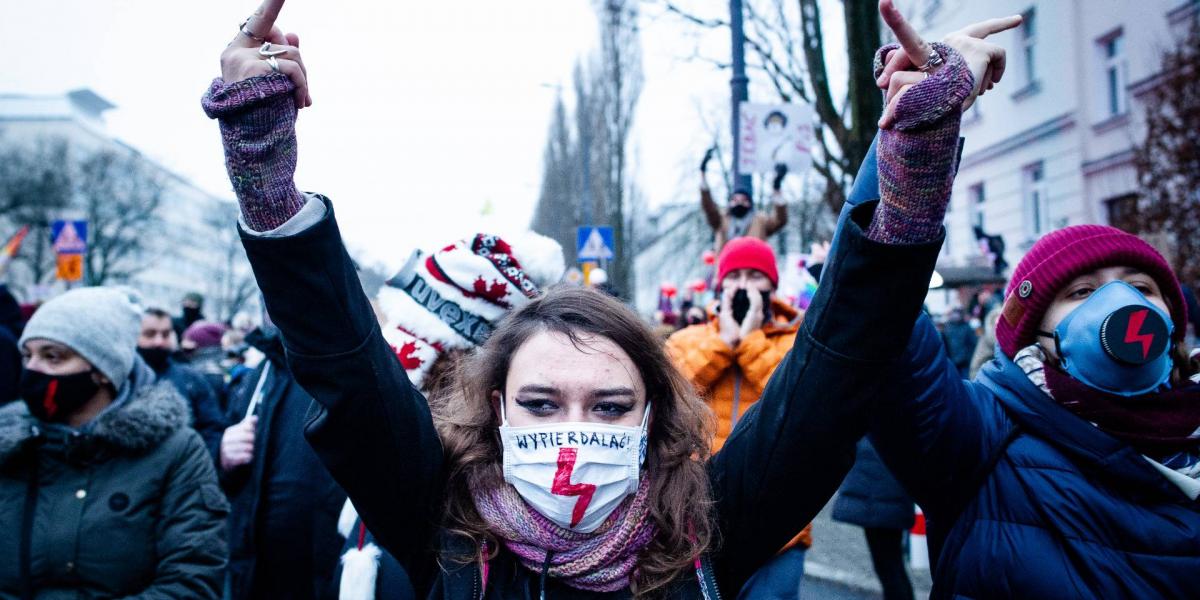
(127, 507)
(960, 342)
(1022, 498)
(374, 432)
(283, 527)
(207, 362)
(11, 325)
(870, 496)
(207, 417)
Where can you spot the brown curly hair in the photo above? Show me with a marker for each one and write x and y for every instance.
(678, 441)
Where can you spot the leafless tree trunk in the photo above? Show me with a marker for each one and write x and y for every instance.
(1168, 161)
(558, 207)
(235, 284)
(120, 194)
(622, 59)
(606, 94)
(35, 184)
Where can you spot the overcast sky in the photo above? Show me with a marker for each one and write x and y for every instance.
(422, 112)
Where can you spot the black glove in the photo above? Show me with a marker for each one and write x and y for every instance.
(708, 154)
(780, 173)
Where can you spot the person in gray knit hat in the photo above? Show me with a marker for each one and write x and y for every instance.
(104, 489)
(99, 323)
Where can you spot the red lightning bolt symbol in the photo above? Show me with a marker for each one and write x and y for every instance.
(1131, 333)
(48, 400)
(563, 486)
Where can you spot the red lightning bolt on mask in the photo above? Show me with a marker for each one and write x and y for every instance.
(1135, 325)
(563, 486)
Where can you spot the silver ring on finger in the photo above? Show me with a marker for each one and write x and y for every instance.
(274, 64)
(248, 33)
(932, 62)
(265, 50)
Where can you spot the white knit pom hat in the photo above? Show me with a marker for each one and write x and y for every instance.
(454, 297)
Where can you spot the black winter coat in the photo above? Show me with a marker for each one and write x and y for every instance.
(11, 325)
(374, 432)
(283, 528)
(128, 507)
(207, 417)
(870, 496)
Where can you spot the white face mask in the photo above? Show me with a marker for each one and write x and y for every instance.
(574, 474)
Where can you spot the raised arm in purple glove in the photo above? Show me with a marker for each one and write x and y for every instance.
(918, 141)
(263, 84)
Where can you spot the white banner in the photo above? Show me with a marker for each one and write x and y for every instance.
(775, 133)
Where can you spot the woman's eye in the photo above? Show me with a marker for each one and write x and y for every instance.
(538, 407)
(612, 409)
(1080, 293)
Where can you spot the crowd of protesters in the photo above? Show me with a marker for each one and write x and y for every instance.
(478, 430)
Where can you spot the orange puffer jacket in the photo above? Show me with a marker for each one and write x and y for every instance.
(731, 380)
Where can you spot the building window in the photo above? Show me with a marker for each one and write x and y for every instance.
(1123, 212)
(1028, 45)
(1037, 206)
(1112, 52)
(976, 198)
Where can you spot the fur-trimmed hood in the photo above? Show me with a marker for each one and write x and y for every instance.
(139, 419)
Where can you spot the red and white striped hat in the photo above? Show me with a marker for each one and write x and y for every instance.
(454, 297)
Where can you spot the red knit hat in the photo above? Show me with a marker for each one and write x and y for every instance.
(747, 253)
(1063, 255)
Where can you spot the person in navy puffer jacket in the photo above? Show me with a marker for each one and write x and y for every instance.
(1068, 468)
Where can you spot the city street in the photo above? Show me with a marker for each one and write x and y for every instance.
(839, 565)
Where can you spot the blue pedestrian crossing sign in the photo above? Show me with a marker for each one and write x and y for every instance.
(69, 237)
(594, 243)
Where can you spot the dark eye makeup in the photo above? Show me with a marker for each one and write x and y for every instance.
(537, 406)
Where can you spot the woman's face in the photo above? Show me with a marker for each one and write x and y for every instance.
(53, 358)
(1082, 287)
(550, 380)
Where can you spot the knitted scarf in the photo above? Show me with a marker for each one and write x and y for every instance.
(601, 561)
(1163, 425)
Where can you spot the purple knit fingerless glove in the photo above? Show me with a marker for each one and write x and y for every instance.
(918, 154)
(258, 128)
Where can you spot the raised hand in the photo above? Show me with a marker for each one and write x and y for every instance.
(985, 60)
(261, 47)
(708, 154)
(729, 328)
(781, 171)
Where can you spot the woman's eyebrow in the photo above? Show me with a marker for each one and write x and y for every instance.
(616, 391)
(537, 389)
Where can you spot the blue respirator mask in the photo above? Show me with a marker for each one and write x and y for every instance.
(1116, 341)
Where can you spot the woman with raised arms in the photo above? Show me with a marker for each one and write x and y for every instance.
(499, 490)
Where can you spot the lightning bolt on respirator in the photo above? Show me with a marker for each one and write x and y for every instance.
(1115, 341)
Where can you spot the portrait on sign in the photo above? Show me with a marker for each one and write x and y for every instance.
(774, 134)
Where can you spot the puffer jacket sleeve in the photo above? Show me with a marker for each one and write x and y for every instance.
(932, 428)
(759, 354)
(700, 354)
(190, 545)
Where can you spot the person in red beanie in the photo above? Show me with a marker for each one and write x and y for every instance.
(730, 359)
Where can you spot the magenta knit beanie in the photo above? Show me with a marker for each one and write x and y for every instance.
(1063, 255)
(747, 253)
